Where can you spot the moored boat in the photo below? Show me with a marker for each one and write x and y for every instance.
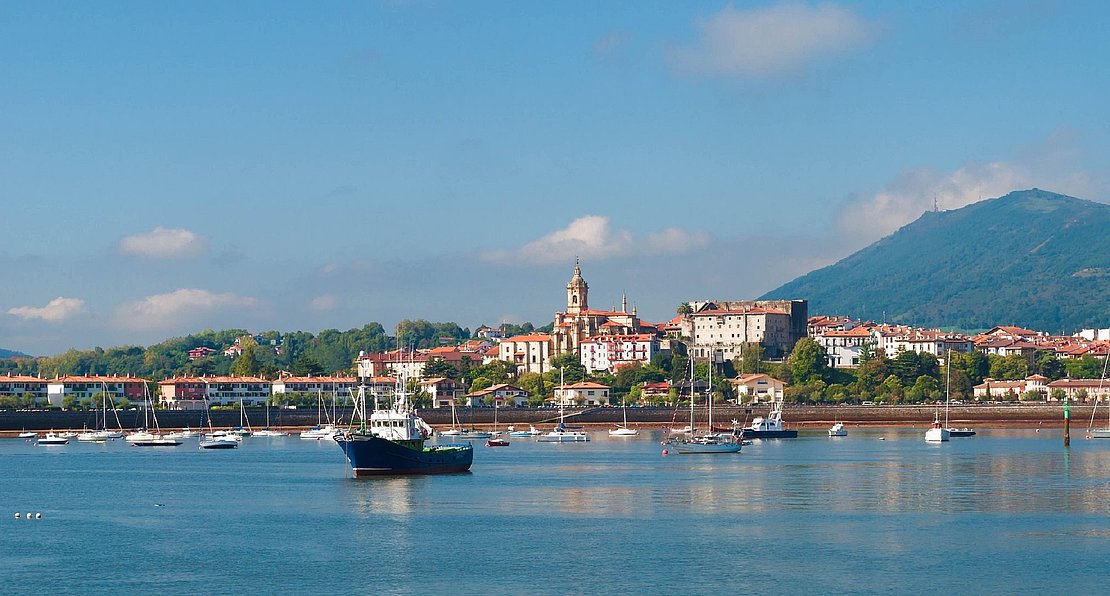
(52, 439)
(838, 430)
(770, 427)
(391, 441)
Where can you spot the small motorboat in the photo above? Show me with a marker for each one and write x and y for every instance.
(52, 439)
(28, 435)
(531, 432)
(497, 442)
(838, 430)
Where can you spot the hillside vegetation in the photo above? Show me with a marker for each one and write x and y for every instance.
(1031, 258)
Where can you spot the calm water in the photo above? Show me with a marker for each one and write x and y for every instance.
(1008, 511)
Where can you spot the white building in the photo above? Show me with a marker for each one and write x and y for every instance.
(843, 347)
(608, 352)
(191, 393)
(758, 387)
(530, 353)
(341, 386)
(586, 392)
(722, 333)
(82, 387)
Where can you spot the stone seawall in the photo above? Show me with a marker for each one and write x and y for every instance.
(1030, 415)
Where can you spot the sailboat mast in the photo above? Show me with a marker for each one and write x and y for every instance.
(692, 367)
(710, 395)
(947, 384)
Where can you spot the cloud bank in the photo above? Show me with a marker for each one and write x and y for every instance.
(773, 40)
(163, 243)
(57, 310)
(592, 237)
(161, 311)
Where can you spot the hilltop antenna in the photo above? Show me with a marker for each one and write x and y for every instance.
(936, 206)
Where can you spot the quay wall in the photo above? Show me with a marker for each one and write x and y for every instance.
(799, 416)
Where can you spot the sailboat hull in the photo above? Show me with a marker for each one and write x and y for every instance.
(1100, 433)
(373, 456)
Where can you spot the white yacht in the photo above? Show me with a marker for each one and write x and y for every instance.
(326, 431)
(937, 433)
(838, 430)
(52, 439)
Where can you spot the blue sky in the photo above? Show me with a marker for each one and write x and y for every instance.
(175, 166)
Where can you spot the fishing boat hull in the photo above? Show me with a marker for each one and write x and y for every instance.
(373, 456)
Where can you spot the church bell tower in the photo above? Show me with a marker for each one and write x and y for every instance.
(577, 292)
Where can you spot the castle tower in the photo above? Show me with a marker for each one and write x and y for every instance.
(577, 292)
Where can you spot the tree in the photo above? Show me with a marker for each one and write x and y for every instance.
(438, 367)
(307, 366)
(480, 383)
(69, 402)
(569, 366)
(684, 309)
(808, 362)
(1008, 368)
(1046, 363)
(1087, 367)
(751, 357)
(246, 365)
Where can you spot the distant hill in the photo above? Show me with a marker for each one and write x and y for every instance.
(12, 354)
(1031, 258)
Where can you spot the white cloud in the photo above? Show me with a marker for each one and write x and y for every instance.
(1048, 164)
(592, 237)
(323, 303)
(58, 309)
(163, 243)
(762, 42)
(165, 310)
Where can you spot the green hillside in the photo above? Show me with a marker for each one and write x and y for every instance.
(12, 354)
(1031, 258)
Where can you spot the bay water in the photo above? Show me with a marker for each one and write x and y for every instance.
(880, 511)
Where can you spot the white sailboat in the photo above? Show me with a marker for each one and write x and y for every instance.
(267, 432)
(623, 430)
(708, 442)
(454, 430)
(1100, 433)
(151, 439)
(937, 433)
(562, 433)
(320, 431)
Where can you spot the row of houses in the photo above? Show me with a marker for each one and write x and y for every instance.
(845, 340)
(195, 393)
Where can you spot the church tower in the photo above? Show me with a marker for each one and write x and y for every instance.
(577, 292)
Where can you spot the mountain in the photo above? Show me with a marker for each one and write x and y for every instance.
(12, 354)
(1031, 258)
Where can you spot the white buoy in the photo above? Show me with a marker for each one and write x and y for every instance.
(38, 516)
(17, 515)
(29, 515)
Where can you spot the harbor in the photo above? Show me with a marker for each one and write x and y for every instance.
(559, 518)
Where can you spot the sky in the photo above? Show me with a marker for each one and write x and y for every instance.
(170, 167)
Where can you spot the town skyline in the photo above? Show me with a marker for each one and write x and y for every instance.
(282, 166)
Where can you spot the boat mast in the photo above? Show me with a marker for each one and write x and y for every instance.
(692, 367)
(947, 384)
(710, 394)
